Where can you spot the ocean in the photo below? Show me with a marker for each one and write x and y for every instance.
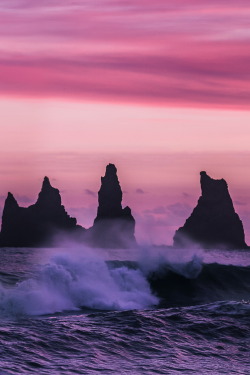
(151, 310)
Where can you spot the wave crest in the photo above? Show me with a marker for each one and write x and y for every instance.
(68, 282)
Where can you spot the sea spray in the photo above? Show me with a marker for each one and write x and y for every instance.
(70, 281)
(183, 277)
(201, 319)
(158, 260)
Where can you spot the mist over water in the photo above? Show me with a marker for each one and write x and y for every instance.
(78, 278)
(74, 277)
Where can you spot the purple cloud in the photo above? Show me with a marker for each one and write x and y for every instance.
(90, 192)
(239, 203)
(160, 210)
(20, 198)
(23, 199)
(140, 191)
(206, 62)
(180, 209)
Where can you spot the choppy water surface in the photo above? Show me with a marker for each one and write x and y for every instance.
(149, 311)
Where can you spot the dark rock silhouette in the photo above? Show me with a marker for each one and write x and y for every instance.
(213, 222)
(37, 224)
(114, 226)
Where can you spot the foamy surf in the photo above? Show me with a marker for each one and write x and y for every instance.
(70, 282)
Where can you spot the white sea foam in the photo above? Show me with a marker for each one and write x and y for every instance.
(70, 281)
(185, 262)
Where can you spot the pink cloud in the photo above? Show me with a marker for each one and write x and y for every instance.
(170, 53)
(158, 80)
(161, 52)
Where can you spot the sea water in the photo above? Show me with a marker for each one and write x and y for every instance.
(74, 310)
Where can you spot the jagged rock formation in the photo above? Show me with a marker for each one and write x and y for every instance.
(114, 226)
(36, 225)
(213, 222)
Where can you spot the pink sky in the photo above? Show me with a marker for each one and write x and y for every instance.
(159, 88)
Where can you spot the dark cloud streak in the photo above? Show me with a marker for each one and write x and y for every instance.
(90, 192)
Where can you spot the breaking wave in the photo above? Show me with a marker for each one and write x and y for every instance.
(214, 282)
(70, 282)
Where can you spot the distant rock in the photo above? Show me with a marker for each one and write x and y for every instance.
(213, 222)
(37, 224)
(114, 226)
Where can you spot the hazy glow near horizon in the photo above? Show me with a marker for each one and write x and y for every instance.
(59, 126)
(161, 89)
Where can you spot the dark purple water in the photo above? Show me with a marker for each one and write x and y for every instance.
(150, 311)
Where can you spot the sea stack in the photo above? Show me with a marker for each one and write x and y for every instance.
(213, 222)
(37, 224)
(114, 226)
(11, 232)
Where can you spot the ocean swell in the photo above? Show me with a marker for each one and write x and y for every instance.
(74, 279)
(214, 282)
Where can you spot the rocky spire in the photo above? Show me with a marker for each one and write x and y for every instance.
(46, 183)
(37, 224)
(109, 195)
(114, 226)
(10, 202)
(10, 211)
(49, 196)
(213, 222)
(10, 222)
